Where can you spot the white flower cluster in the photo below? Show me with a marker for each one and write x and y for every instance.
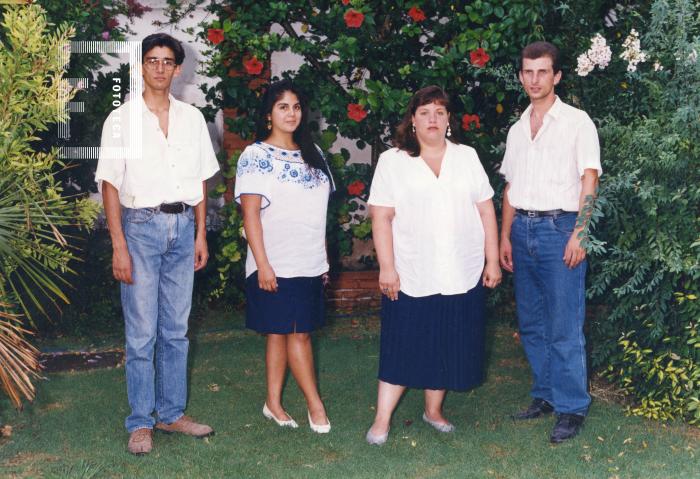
(598, 55)
(633, 52)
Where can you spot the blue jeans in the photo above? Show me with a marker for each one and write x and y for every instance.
(156, 309)
(550, 302)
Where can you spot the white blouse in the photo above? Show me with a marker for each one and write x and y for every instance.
(437, 232)
(293, 209)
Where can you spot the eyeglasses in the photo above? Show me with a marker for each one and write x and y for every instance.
(152, 63)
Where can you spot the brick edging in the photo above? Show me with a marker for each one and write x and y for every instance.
(349, 290)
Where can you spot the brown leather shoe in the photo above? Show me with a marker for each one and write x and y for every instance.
(140, 441)
(186, 425)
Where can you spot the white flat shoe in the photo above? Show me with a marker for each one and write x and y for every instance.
(319, 428)
(376, 440)
(289, 423)
(449, 427)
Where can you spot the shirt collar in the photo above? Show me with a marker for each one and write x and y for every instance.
(174, 105)
(554, 111)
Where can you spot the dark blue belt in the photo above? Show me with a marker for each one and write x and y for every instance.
(538, 214)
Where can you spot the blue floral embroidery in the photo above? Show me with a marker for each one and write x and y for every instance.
(254, 164)
(289, 165)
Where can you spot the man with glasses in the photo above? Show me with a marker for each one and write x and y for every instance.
(154, 203)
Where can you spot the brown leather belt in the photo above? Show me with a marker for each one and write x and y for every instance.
(538, 214)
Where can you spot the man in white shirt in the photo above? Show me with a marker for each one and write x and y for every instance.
(551, 166)
(154, 202)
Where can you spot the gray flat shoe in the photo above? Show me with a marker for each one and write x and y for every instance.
(449, 427)
(376, 440)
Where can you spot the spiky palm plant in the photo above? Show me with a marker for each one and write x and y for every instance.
(34, 254)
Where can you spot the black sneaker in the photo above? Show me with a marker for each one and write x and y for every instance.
(567, 426)
(539, 407)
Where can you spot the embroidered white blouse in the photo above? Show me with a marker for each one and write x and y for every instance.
(169, 169)
(545, 173)
(437, 232)
(293, 209)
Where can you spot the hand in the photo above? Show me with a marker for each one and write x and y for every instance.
(389, 283)
(201, 254)
(325, 280)
(267, 279)
(574, 253)
(121, 265)
(492, 275)
(506, 255)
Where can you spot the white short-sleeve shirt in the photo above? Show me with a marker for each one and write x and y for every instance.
(170, 169)
(293, 209)
(545, 173)
(437, 232)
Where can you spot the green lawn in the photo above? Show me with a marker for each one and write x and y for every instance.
(75, 428)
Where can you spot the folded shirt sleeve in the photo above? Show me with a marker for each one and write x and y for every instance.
(210, 165)
(254, 176)
(111, 164)
(587, 147)
(381, 191)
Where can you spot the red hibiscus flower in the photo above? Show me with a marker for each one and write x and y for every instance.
(356, 188)
(215, 35)
(111, 23)
(345, 2)
(253, 66)
(353, 18)
(356, 112)
(479, 57)
(416, 14)
(467, 121)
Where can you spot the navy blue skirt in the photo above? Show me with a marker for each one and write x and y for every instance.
(433, 342)
(298, 306)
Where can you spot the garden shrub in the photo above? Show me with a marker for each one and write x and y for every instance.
(646, 249)
(35, 250)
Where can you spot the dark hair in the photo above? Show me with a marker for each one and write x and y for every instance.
(302, 135)
(163, 40)
(405, 138)
(541, 49)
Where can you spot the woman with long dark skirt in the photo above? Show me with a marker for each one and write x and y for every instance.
(436, 238)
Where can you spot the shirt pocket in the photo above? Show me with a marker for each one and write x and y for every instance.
(187, 160)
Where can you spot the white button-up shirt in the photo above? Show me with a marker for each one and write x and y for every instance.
(545, 173)
(437, 232)
(169, 170)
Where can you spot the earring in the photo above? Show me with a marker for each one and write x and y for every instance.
(413, 128)
(269, 124)
(449, 131)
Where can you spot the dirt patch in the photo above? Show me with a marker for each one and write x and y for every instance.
(512, 363)
(692, 432)
(25, 458)
(54, 406)
(501, 379)
(80, 361)
(496, 451)
(603, 390)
